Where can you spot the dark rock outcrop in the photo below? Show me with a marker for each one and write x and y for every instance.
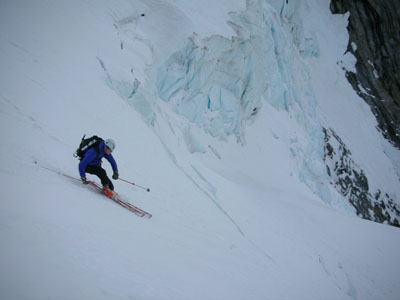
(351, 182)
(374, 39)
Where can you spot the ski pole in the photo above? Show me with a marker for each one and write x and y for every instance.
(142, 187)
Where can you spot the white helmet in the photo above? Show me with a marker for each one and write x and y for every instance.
(110, 144)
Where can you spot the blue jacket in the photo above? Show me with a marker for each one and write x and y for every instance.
(91, 158)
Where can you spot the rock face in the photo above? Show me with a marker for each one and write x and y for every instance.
(374, 30)
(350, 181)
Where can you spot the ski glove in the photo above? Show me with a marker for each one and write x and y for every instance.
(84, 180)
(115, 176)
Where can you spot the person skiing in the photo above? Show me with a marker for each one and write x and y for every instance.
(91, 163)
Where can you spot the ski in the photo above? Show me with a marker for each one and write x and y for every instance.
(116, 198)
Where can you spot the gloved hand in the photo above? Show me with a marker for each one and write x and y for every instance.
(84, 180)
(115, 175)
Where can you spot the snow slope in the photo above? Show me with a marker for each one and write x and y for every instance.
(230, 220)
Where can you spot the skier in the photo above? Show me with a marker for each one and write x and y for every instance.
(91, 163)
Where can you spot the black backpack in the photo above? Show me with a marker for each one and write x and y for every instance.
(85, 144)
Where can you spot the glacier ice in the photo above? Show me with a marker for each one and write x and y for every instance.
(219, 83)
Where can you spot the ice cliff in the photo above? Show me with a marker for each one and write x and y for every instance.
(221, 83)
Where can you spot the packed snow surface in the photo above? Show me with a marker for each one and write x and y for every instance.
(217, 107)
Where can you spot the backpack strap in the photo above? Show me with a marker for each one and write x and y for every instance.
(97, 148)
